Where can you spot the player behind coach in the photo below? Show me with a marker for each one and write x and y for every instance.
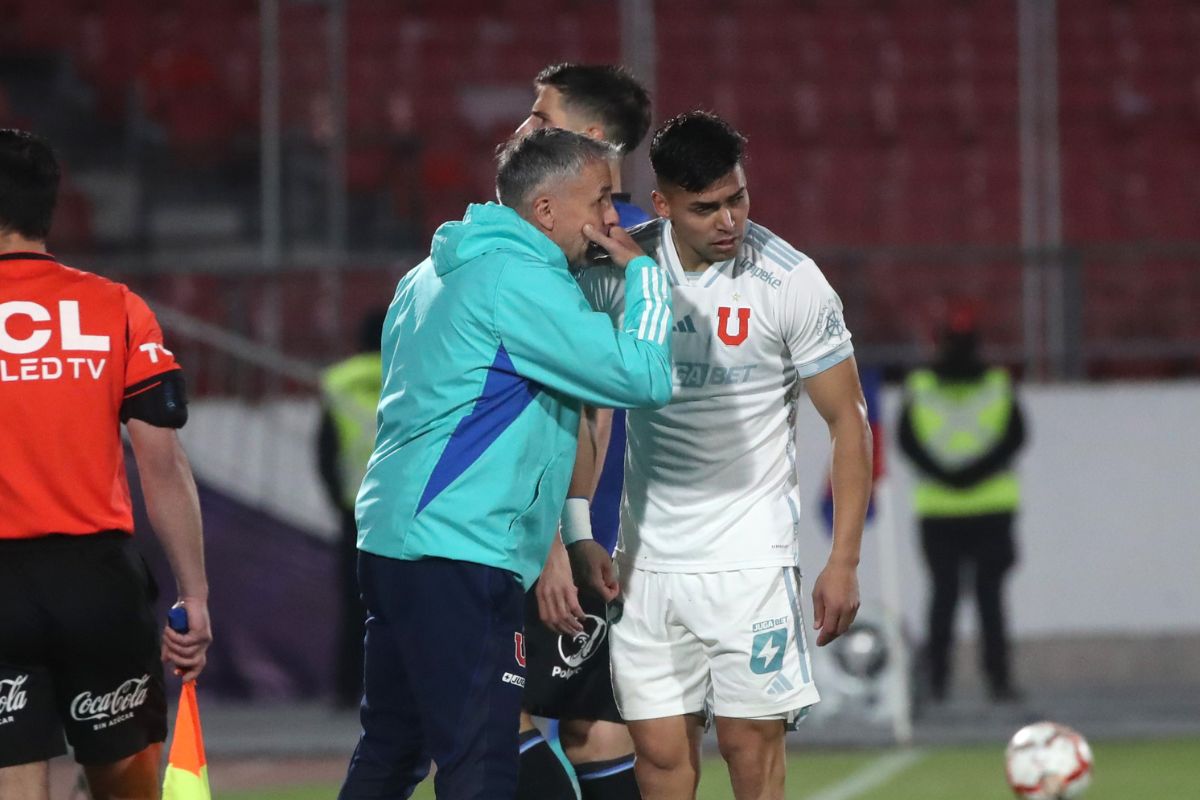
(79, 643)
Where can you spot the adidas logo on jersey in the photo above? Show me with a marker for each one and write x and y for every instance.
(685, 325)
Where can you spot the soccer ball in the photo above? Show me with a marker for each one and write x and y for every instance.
(1048, 761)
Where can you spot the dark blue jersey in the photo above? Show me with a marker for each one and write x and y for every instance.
(606, 504)
(628, 213)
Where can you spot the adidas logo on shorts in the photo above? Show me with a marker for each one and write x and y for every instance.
(780, 685)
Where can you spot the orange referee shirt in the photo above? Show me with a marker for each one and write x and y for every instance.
(73, 346)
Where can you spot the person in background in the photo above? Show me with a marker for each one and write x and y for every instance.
(961, 426)
(345, 439)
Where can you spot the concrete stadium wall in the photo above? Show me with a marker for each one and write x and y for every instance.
(1109, 535)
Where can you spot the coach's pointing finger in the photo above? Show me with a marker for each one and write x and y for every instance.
(617, 242)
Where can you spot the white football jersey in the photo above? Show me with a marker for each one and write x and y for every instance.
(710, 479)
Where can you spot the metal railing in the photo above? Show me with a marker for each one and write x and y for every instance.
(252, 427)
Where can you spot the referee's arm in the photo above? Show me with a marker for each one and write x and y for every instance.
(174, 510)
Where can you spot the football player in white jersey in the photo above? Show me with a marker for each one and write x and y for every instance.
(708, 624)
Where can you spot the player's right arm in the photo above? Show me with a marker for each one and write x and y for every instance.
(554, 338)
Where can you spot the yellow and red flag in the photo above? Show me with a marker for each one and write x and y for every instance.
(187, 768)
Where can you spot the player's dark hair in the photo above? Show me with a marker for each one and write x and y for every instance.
(525, 164)
(607, 93)
(29, 176)
(695, 149)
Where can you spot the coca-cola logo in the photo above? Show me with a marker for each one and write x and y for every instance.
(12, 696)
(129, 695)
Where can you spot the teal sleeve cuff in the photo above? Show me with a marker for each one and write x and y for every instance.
(641, 261)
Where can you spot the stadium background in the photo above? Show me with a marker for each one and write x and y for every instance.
(263, 172)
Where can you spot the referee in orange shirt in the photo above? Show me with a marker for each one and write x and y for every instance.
(80, 647)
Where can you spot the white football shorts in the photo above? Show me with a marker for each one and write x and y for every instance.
(729, 644)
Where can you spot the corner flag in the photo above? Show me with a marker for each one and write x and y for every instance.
(187, 768)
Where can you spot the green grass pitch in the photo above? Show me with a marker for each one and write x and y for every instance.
(1163, 770)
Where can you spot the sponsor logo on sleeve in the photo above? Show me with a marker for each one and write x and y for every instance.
(152, 349)
(831, 324)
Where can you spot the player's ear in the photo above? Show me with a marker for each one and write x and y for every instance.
(543, 212)
(661, 207)
(595, 132)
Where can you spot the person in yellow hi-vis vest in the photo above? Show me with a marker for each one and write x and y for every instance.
(345, 440)
(961, 426)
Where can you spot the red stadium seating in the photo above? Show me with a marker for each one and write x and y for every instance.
(879, 124)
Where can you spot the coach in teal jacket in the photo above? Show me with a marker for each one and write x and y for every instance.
(489, 347)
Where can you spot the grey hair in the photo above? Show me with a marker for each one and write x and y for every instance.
(528, 163)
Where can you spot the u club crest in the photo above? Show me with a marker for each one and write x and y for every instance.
(736, 337)
(519, 648)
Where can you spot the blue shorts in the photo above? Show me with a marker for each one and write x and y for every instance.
(444, 671)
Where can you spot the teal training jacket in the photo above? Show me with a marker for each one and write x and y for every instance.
(488, 349)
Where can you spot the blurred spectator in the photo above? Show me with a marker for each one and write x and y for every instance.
(345, 440)
(184, 92)
(961, 426)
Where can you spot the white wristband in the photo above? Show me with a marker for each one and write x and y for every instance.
(576, 520)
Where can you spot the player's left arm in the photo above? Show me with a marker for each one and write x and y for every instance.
(586, 564)
(173, 506)
(154, 406)
(591, 564)
(838, 398)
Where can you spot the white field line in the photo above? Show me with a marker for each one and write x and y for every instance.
(873, 775)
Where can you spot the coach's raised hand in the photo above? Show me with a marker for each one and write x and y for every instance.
(617, 243)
